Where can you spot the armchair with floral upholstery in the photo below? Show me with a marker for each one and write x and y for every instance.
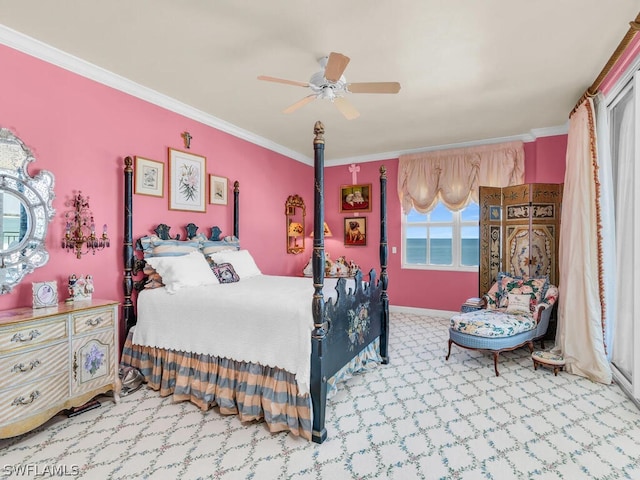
(517, 313)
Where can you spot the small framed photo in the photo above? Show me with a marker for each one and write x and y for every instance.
(218, 190)
(45, 294)
(355, 231)
(355, 198)
(187, 173)
(149, 177)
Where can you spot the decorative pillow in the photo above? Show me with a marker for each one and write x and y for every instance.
(154, 279)
(241, 260)
(519, 303)
(154, 246)
(189, 270)
(535, 287)
(225, 273)
(492, 297)
(226, 244)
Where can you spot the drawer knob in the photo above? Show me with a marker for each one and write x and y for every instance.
(26, 401)
(19, 338)
(20, 367)
(92, 322)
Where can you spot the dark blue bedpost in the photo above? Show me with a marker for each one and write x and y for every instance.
(384, 279)
(318, 380)
(236, 210)
(128, 313)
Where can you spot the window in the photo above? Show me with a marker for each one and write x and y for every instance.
(442, 239)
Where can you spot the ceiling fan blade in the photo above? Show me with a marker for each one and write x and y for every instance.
(335, 66)
(346, 108)
(282, 80)
(300, 103)
(374, 87)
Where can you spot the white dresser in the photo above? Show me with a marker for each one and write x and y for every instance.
(53, 359)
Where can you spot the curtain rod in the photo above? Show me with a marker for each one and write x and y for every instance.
(634, 26)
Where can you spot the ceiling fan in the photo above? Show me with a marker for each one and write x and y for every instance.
(329, 83)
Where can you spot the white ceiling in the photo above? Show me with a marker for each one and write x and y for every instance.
(469, 70)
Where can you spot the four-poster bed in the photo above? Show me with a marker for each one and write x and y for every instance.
(350, 327)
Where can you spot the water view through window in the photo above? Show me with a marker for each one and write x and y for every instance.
(430, 239)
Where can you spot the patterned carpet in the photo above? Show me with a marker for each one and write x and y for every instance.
(420, 417)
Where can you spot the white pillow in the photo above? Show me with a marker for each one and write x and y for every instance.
(191, 270)
(242, 262)
(519, 303)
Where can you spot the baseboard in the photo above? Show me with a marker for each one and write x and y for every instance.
(421, 311)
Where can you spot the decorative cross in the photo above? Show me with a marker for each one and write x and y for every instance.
(354, 169)
(187, 139)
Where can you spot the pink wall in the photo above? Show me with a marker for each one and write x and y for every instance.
(433, 289)
(81, 130)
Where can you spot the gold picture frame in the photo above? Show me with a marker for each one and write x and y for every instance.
(187, 181)
(355, 198)
(355, 231)
(149, 177)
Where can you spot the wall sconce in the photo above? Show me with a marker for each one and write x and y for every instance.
(80, 233)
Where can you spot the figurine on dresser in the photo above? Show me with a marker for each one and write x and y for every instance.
(80, 288)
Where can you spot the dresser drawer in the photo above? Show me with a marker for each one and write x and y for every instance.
(23, 367)
(27, 334)
(90, 321)
(27, 399)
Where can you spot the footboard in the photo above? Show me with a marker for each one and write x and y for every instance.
(352, 322)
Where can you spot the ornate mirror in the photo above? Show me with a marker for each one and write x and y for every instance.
(26, 208)
(295, 212)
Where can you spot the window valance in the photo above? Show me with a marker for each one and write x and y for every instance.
(453, 176)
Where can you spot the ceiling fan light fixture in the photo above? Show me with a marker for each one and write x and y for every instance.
(330, 84)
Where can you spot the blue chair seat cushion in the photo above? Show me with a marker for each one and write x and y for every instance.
(492, 323)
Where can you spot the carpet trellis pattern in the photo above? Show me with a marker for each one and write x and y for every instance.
(420, 417)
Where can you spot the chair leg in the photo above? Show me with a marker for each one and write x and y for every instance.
(448, 354)
(530, 345)
(495, 362)
(542, 343)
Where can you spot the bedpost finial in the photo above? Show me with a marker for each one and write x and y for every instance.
(236, 186)
(383, 171)
(128, 163)
(318, 131)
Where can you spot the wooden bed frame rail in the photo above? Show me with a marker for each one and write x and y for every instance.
(342, 329)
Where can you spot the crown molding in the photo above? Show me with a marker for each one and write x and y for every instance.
(532, 136)
(54, 56)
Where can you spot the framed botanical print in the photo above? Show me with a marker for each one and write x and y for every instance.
(218, 190)
(355, 198)
(355, 231)
(149, 177)
(187, 184)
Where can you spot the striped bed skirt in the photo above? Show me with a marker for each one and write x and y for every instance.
(249, 390)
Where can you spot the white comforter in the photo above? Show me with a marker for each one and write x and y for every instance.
(263, 319)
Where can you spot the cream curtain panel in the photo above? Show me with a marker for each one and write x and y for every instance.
(579, 336)
(453, 176)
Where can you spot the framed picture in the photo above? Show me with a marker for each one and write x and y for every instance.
(355, 198)
(187, 186)
(149, 177)
(218, 190)
(355, 231)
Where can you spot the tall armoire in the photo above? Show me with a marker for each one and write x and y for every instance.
(519, 231)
